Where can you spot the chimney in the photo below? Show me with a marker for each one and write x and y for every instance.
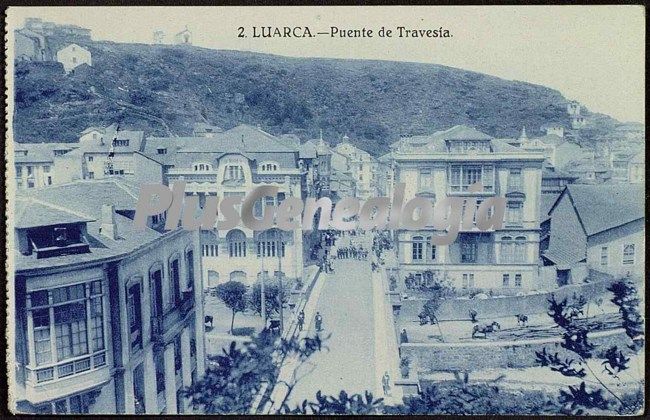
(108, 227)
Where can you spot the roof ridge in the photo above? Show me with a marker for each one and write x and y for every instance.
(59, 208)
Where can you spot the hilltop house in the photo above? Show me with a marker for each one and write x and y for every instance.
(444, 164)
(107, 320)
(597, 227)
(73, 56)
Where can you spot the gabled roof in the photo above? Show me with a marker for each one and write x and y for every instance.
(463, 132)
(307, 150)
(39, 152)
(605, 206)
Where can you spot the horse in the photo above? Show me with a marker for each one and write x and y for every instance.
(522, 319)
(485, 329)
(208, 320)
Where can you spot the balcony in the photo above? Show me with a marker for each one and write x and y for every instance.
(162, 325)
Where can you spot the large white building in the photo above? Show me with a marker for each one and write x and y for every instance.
(445, 164)
(107, 319)
(233, 163)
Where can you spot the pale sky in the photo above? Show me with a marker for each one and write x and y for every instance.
(594, 54)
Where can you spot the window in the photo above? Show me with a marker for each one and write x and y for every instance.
(91, 175)
(468, 280)
(90, 158)
(174, 274)
(433, 252)
(604, 256)
(468, 146)
(520, 249)
(189, 261)
(234, 173)
(19, 171)
(30, 183)
(42, 346)
(517, 280)
(507, 249)
(468, 252)
(162, 151)
(514, 215)
(138, 389)
(70, 327)
(178, 358)
(514, 180)
(97, 323)
(49, 180)
(506, 280)
(30, 171)
(425, 179)
(628, 254)
(46, 168)
(418, 244)
(268, 242)
(236, 243)
(462, 176)
(134, 310)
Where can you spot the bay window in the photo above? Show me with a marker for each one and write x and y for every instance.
(67, 323)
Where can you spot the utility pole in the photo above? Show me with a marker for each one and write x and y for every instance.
(262, 292)
(279, 251)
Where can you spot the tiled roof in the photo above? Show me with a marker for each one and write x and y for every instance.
(545, 205)
(29, 212)
(566, 259)
(39, 152)
(551, 139)
(463, 132)
(307, 150)
(201, 127)
(549, 172)
(605, 206)
(82, 201)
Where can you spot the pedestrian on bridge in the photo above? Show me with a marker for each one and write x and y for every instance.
(301, 320)
(319, 322)
(385, 383)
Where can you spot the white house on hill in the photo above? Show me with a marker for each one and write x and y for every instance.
(73, 56)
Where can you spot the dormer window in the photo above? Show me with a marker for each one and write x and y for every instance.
(123, 143)
(269, 167)
(51, 241)
(162, 151)
(198, 167)
(469, 146)
(234, 173)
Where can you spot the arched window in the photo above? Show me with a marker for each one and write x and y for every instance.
(236, 243)
(520, 249)
(418, 248)
(239, 276)
(507, 251)
(268, 243)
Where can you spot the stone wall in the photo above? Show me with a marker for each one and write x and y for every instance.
(496, 354)
(495, 307)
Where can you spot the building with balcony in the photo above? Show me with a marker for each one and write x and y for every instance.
(231, 164)
(445, 164)
(107, 319)
(597, 227)
(34, 163)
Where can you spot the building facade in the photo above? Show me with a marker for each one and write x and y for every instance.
(359, 164)
(34, 163)
(597, 227)
(445, 164)
(108, 320)
(231, 164)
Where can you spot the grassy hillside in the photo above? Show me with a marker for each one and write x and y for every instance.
(165, 89)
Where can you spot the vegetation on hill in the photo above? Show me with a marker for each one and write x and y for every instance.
(165, 89)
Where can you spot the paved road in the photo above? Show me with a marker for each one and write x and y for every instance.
(346, 303)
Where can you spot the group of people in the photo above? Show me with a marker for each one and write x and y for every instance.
(352, 252)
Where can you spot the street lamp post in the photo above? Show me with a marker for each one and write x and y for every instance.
(262, 292)
(279, 251)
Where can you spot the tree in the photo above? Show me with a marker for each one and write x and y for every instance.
(234, 378)
(565, 314)
(272, 301)
(233, 295)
